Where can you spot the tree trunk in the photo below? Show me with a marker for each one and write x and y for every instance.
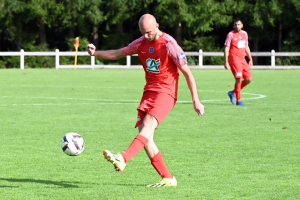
(178, 34)
(120, 32)
(120, 28)
(71, 35)
(255, 49)
(95, 37)
(18, 34)
(42, 32)
(280, 37)
(146, 9)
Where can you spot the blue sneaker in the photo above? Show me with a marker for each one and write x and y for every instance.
(239, 103)
(231, 96)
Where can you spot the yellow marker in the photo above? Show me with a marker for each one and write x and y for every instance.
(76, 45)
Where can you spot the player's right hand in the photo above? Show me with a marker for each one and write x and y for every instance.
(199, 108)
(91, 49)
(227, 66)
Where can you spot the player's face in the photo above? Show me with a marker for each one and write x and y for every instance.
(149, 32)
(237, 26)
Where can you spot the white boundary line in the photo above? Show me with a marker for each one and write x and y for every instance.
(111, 101)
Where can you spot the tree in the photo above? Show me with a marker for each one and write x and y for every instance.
(121, 21)
(13, 17)
(77, 18)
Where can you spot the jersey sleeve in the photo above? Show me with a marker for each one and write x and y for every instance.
(228, 39)
(132, 48)
(176, 53)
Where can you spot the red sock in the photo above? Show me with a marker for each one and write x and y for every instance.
(237, 90)
(137, 144)
(158, 163)
(244, 83)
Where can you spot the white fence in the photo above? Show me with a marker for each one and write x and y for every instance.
(199, 54)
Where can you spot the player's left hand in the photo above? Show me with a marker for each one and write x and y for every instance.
(250, 63)
(199, 108)
(227, 66)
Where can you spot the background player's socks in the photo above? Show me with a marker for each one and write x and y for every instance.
(244, 83)
(137, 144)
(237, 90)
(158, 163)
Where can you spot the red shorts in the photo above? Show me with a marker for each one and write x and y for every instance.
(240, 69)
(156, 104)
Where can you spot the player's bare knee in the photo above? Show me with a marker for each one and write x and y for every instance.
(248, 80)
(150, 122)
(238, 80)
(148, 126)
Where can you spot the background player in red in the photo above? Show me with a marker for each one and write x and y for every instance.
(162, 59)
(236, 47)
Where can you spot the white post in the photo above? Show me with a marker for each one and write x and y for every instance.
(200, 58)
(272, 58)
(128, 61)
(93, 62)
(56, 58)
(22, 59)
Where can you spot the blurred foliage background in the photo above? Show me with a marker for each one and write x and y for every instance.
(46, 25)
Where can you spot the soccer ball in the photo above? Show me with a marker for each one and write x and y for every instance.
(72, 144)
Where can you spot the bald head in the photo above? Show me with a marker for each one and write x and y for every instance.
(147, 20)
(149, 27)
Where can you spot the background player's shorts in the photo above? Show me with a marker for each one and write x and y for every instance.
(156, 104)
(240, 69)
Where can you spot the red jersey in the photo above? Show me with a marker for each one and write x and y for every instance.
(160, 59)
(237, 42)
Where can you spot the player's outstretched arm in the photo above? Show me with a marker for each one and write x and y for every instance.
(107, 55)
(190, 79)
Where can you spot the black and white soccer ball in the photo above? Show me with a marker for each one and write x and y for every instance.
(72, 144)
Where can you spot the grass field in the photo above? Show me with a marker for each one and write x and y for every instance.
(231, 152)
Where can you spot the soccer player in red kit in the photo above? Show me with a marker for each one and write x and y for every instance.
(162, 59)
(236, 48)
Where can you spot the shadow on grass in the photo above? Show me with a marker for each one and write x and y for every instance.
(128, 184)
(6, 186)
(63, 184)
